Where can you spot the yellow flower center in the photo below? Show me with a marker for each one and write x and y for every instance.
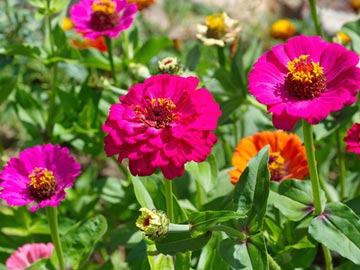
(305, 78)
(42, 184)
(216, 26)
(277, 166)
(159, 112)
(104, 6)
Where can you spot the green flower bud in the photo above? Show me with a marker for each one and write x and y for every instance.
(170, 65)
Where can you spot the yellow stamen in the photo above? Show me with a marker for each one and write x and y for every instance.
(216, 25)
(302, 71)
(105, 6)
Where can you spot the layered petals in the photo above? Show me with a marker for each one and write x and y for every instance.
(306, 78)
(287, 157)
(352, 139)
(162, 123)
(38, 177)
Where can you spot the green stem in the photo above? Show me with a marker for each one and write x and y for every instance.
(111, 59)
(310, 154)
(251, 101)
(48, 21)
(272, 263)
(174, 228)
(169, 200)
(52, 102)
(54, 230)
(221, 56)
(328, 258)
(315, 17)
(340, 153)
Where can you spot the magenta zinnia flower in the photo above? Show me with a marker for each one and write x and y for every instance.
(94, 18)
(306, 78)
(352, 139)
(39, 176)
(162, 123)
(27, 254)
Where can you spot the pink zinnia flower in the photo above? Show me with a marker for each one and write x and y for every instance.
(352, 139)
(306, 78)
(27, 254)
(162, 123)
(94, 18)
(39, 176)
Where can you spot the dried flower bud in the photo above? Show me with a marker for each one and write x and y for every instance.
(170, 65)
(153, 223)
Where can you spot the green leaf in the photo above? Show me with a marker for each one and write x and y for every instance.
(250, 254)
(159, 261)
(294, 199)
(193, 57)
(142, 195)
(79, 241)
(24, 50)
(41, 264)
(338, 228)
(59, 5)
(252, 190)
(7, 85)
(150, 49)
(182, 261)
(181, 242)
(352, 29)
(210, 257)
(205, 173)
(203, 222)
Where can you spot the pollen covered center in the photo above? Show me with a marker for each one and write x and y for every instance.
(277, 166)
(104, 16)
(216, 26)
(158, 113)
(305, 79)
(42, 184)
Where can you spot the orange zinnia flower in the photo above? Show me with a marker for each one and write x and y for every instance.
(287, 157)
(142, 4)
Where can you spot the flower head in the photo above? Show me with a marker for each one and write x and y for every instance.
(162, 123)
(218, 29)
(154, 224)
(94, 18)
(306, 78)
(352, 139)
(282, 29)
(287, 157)
(27, 254)
(170, 65)
(38, 176)
(142, 4)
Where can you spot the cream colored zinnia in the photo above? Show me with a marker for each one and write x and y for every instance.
(218, 29)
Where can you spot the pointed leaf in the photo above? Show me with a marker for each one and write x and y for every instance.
(203, 222)
(142, 195)
(249, 255)
(252, 190)
(338, 228)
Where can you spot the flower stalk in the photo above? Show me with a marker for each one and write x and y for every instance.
(54, 230)
(111, 59)
(169, 199)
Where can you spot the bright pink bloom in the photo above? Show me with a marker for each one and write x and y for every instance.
(352, 139)
(306, 78)
(162, 123)
(94, 18)
(39, 176)
(27, 254)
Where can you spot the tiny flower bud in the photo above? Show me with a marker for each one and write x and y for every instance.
(341, 38)
(170, 65)
(139, 71)
(282, 29)
(153, 223)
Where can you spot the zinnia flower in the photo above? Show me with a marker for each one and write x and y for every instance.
(94, 18)
(162, 123)
(352, 139)
(142, 4)
(287, 157)
(282, 29)
(27, 254)
(39, 176)
(218, 29)
(306, 78)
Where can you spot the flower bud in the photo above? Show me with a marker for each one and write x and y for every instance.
(153, 223)
(170, 65)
